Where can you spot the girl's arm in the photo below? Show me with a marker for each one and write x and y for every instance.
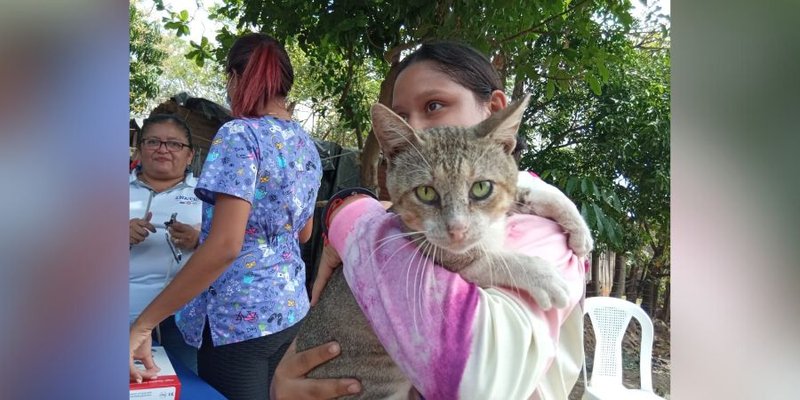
(305, 233)
(451, 338)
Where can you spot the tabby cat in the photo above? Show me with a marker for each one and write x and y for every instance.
(455, 187)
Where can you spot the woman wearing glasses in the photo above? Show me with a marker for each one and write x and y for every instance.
(241, 296)
(160, 186)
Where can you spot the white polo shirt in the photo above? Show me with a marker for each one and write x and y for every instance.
(152, 264)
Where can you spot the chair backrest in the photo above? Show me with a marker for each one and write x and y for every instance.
(610, 318)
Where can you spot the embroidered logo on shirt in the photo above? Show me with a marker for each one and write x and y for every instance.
(188, 200)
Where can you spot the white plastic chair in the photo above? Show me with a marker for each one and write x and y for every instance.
(610, 318)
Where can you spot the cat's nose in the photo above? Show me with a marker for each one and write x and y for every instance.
(457, 232)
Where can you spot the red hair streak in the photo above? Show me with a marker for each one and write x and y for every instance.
(260, 82)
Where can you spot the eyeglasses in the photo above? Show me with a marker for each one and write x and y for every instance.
(155, 144)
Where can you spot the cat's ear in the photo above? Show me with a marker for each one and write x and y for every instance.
(503, 125)
(393, 133)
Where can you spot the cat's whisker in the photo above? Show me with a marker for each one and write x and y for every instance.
(427, 277)
(411, 242)
(419, 274)
(514, 282)
(389, 239)
(491, 264)
(433, 281)
(397, 235)
(416, 294)
(418, 241)
(423, 281)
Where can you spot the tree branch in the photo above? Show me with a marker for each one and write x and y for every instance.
(393, 55)
(557, 144)
(535, 28)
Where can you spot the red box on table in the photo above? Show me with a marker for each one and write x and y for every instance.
(165, 387)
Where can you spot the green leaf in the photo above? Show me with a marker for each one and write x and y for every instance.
(585, 186)
(563, 84)
(570, 54)
(594, 84)
(611, 232)
(585, 212)
(596, 191)
(184, 15)
(571, 183)
(602, 70)
(544, 174)
(549, 89)
(599, 218)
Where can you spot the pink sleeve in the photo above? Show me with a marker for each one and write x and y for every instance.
(425, 315)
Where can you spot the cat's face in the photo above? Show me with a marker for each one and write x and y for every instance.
(454, 184)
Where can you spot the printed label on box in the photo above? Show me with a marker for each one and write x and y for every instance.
(165, 387)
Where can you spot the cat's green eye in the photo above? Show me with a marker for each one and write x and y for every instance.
(481, 190)
(426, 194)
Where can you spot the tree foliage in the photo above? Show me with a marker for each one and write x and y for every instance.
(146, 58)
(598, 127)
(181, 73)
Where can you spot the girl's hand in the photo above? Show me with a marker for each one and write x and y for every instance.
(290, 382)
(328, 262)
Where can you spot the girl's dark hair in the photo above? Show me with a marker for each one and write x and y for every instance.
(465, 65)
(263, 72)
(156, 119)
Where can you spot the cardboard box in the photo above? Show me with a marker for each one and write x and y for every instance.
(165, 387)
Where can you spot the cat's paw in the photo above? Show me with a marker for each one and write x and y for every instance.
(547, 287)
(534, 196)
(552, 292)
(580, 240)
(524, 202)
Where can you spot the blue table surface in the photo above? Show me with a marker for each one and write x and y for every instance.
(192, 387)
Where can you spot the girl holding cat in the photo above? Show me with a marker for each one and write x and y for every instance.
(243, 290)
(488, 343)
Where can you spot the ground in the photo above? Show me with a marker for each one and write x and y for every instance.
(630, 358)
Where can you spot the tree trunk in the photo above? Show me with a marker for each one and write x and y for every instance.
(632, 284)
(370, 155)
(649, 295)
(595, 284)
(619, 276)
(519, 86)
(665, 309)
(606, 274)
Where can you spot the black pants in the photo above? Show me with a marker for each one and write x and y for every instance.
(244, 370)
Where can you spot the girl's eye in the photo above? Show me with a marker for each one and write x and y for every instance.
(433, 106)
(426, 194)
(481, 190)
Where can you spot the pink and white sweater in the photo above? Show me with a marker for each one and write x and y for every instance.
(452, 339)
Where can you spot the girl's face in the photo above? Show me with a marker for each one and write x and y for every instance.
(426, 97)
